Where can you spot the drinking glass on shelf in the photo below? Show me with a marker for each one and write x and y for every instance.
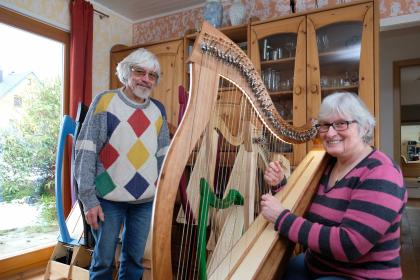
(341, 82)
(286, 85)
(280, 53)
(267, 52)
(334, 82)
(264, 49)
(318, 43)
(324, 81)
(346, 79)
(291, 48)
(354, 78)
(322, 42)
(267, 78)
(275, 79)
(278, 80)
(274, 54)
(325, 42)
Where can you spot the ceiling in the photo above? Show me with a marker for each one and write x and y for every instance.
(141, 10)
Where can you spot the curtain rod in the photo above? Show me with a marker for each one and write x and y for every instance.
(100, 14)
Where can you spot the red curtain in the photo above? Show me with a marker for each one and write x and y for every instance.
(81, 13)
(80, 54)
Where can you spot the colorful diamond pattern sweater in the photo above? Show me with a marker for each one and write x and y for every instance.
(353, 229)
(120, 149)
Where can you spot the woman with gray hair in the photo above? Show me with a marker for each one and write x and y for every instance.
(119, 153)
(352, 227)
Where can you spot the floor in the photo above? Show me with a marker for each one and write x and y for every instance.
(410, 243)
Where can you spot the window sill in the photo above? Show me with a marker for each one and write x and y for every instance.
(25, 261)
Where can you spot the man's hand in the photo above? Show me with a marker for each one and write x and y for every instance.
(271, 207)
(273, 175)
(92, 216)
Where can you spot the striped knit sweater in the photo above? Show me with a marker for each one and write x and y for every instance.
(353, 229)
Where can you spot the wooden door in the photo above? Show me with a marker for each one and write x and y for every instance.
(170, 56)
(278, 51)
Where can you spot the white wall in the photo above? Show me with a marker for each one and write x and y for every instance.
(410, 85)
(107, 32)
(394, 45)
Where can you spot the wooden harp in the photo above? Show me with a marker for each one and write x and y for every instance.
(230, 131)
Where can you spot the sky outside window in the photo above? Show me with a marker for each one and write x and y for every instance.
(23, 51)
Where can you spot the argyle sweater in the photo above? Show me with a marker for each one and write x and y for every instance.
(353, 229)
(120, 149)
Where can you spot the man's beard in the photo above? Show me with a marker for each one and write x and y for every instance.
(139, 91)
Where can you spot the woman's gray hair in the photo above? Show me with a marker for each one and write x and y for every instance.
(348, 105)
(140, 57)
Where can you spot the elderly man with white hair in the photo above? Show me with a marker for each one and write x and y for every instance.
(119, 153)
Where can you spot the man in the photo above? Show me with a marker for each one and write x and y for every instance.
(119, 153)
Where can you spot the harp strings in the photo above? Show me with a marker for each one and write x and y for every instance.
(186, 263)
(234, 111)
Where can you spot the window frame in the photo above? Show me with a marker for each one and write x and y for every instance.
(37, 258)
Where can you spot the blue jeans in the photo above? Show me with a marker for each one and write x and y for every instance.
(136, 220)
(297, 270)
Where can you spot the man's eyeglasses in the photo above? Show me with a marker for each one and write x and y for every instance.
(140, 72)
(337, 125)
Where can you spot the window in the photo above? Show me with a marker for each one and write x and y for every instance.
(37, 84)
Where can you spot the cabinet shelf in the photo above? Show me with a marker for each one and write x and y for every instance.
(283, 93)
(279, 64)
(345, 88)
(278, 61)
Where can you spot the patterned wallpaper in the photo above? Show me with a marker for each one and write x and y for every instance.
(53, 12)
(175, 25)
(107, 32)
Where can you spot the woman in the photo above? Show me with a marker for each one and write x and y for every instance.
(352, 228)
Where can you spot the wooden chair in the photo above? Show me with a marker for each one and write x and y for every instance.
(410, 169)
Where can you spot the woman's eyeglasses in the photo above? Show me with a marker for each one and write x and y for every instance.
(140, 72)
(337, 125)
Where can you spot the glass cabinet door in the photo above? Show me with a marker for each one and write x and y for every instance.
(339, 57)
(277, 56)
(278, 53)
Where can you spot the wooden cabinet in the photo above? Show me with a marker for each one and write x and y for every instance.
(238, 34)
(304, 58)
(170, 56)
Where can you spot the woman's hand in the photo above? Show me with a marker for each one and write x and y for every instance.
(271, 207)
(273, 175)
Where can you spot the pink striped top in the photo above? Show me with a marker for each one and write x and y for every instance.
(353, 229)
